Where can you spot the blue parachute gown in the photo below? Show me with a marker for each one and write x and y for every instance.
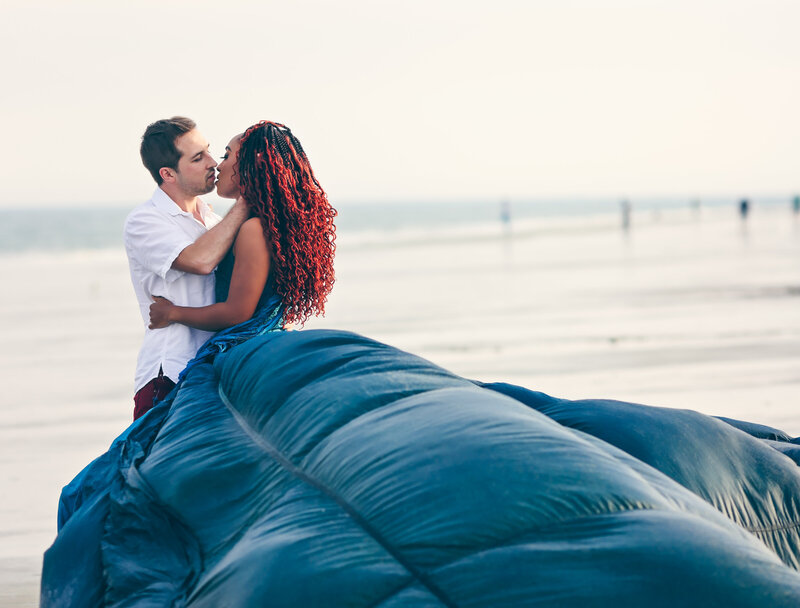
(322, 468)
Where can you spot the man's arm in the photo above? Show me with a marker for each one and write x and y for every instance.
(202, 256)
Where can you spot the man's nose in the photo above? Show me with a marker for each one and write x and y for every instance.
(212, 162)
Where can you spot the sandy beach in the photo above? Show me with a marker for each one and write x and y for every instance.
(687, 309)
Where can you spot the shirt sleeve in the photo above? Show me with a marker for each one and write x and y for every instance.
(155, 242)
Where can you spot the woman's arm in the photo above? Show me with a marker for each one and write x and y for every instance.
(250, 272)
(202, 256)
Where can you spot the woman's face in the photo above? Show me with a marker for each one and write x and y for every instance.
(228, 175)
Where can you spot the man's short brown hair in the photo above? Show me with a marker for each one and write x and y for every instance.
(158, 144)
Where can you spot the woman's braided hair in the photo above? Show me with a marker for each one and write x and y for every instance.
(279, 186)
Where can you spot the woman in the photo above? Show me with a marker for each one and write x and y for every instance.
(280, 269)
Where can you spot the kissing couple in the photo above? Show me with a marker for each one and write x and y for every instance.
(264, 266)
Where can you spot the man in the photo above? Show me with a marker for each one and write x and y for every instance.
(174, 242)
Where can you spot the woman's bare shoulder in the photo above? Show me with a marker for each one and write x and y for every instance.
(252, 224)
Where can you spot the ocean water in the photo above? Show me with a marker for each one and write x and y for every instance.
(59, 229)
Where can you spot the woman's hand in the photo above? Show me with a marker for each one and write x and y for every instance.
(160, 312)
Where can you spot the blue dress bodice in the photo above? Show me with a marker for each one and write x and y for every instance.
(223, 276)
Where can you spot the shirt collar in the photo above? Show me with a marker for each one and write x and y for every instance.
(163, 202)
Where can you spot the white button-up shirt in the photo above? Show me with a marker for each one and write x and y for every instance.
(155, 233)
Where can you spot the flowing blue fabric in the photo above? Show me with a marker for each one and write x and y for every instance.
(97, 476)
(322, 468)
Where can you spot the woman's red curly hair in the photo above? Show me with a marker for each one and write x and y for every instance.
(276, 180)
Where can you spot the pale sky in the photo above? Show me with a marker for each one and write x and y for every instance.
(411, 99)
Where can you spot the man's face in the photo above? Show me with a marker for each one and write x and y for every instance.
(195, 174)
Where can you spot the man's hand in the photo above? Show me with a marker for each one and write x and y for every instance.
(160, 312)
(241, 207)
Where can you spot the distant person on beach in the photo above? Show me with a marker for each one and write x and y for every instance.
(280, 269)
(625, 208)
(744, 208)
(796, 204)
(174, 241)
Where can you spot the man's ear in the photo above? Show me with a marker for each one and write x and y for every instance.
(167, 174)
